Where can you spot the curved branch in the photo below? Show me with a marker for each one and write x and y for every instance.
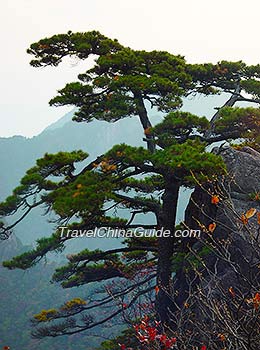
(8, 228)
(48, 332)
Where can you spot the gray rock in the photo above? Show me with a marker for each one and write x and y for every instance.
(243, 166)
(234, 258)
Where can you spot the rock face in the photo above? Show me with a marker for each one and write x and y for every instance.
(244, 167)
(238, 192)
(234, 247)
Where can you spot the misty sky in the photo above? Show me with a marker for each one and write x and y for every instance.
(201, 30)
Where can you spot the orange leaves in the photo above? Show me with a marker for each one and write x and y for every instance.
(220, 71)
(43, 46)
(256, 301)
(212, 227)
(215, 199)
(106, 165)
(76, 194)
(147, 131)
(258, 218)
(116, 77)
(244, 219)
(119, 154)
(250, 213)
(256, 196)
(157, 289)
(186, 305)
(221, 337)
(232, 292)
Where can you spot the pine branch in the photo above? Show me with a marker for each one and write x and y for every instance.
(54, 331)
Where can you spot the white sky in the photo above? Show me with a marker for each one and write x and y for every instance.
(201, 30)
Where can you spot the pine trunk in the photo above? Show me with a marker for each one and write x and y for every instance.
(166, 250)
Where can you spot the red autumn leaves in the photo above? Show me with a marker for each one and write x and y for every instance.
(149, 335)
(255, 301)
(212, 227)
(215, 199)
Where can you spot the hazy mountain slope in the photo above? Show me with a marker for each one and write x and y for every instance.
(25, 293)
(17, 154)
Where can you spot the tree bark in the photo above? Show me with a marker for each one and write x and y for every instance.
(144, 119)
(235, 97)
(165, 251)
(230, 103)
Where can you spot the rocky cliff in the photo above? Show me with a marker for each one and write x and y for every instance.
(219, 278)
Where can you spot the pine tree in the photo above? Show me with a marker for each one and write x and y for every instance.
(120, 84)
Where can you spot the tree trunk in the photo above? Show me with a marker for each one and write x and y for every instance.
(235, 97)
(144, 119)
(166, 250)
(230, 103)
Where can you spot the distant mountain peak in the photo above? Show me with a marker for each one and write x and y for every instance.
(61, 122)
